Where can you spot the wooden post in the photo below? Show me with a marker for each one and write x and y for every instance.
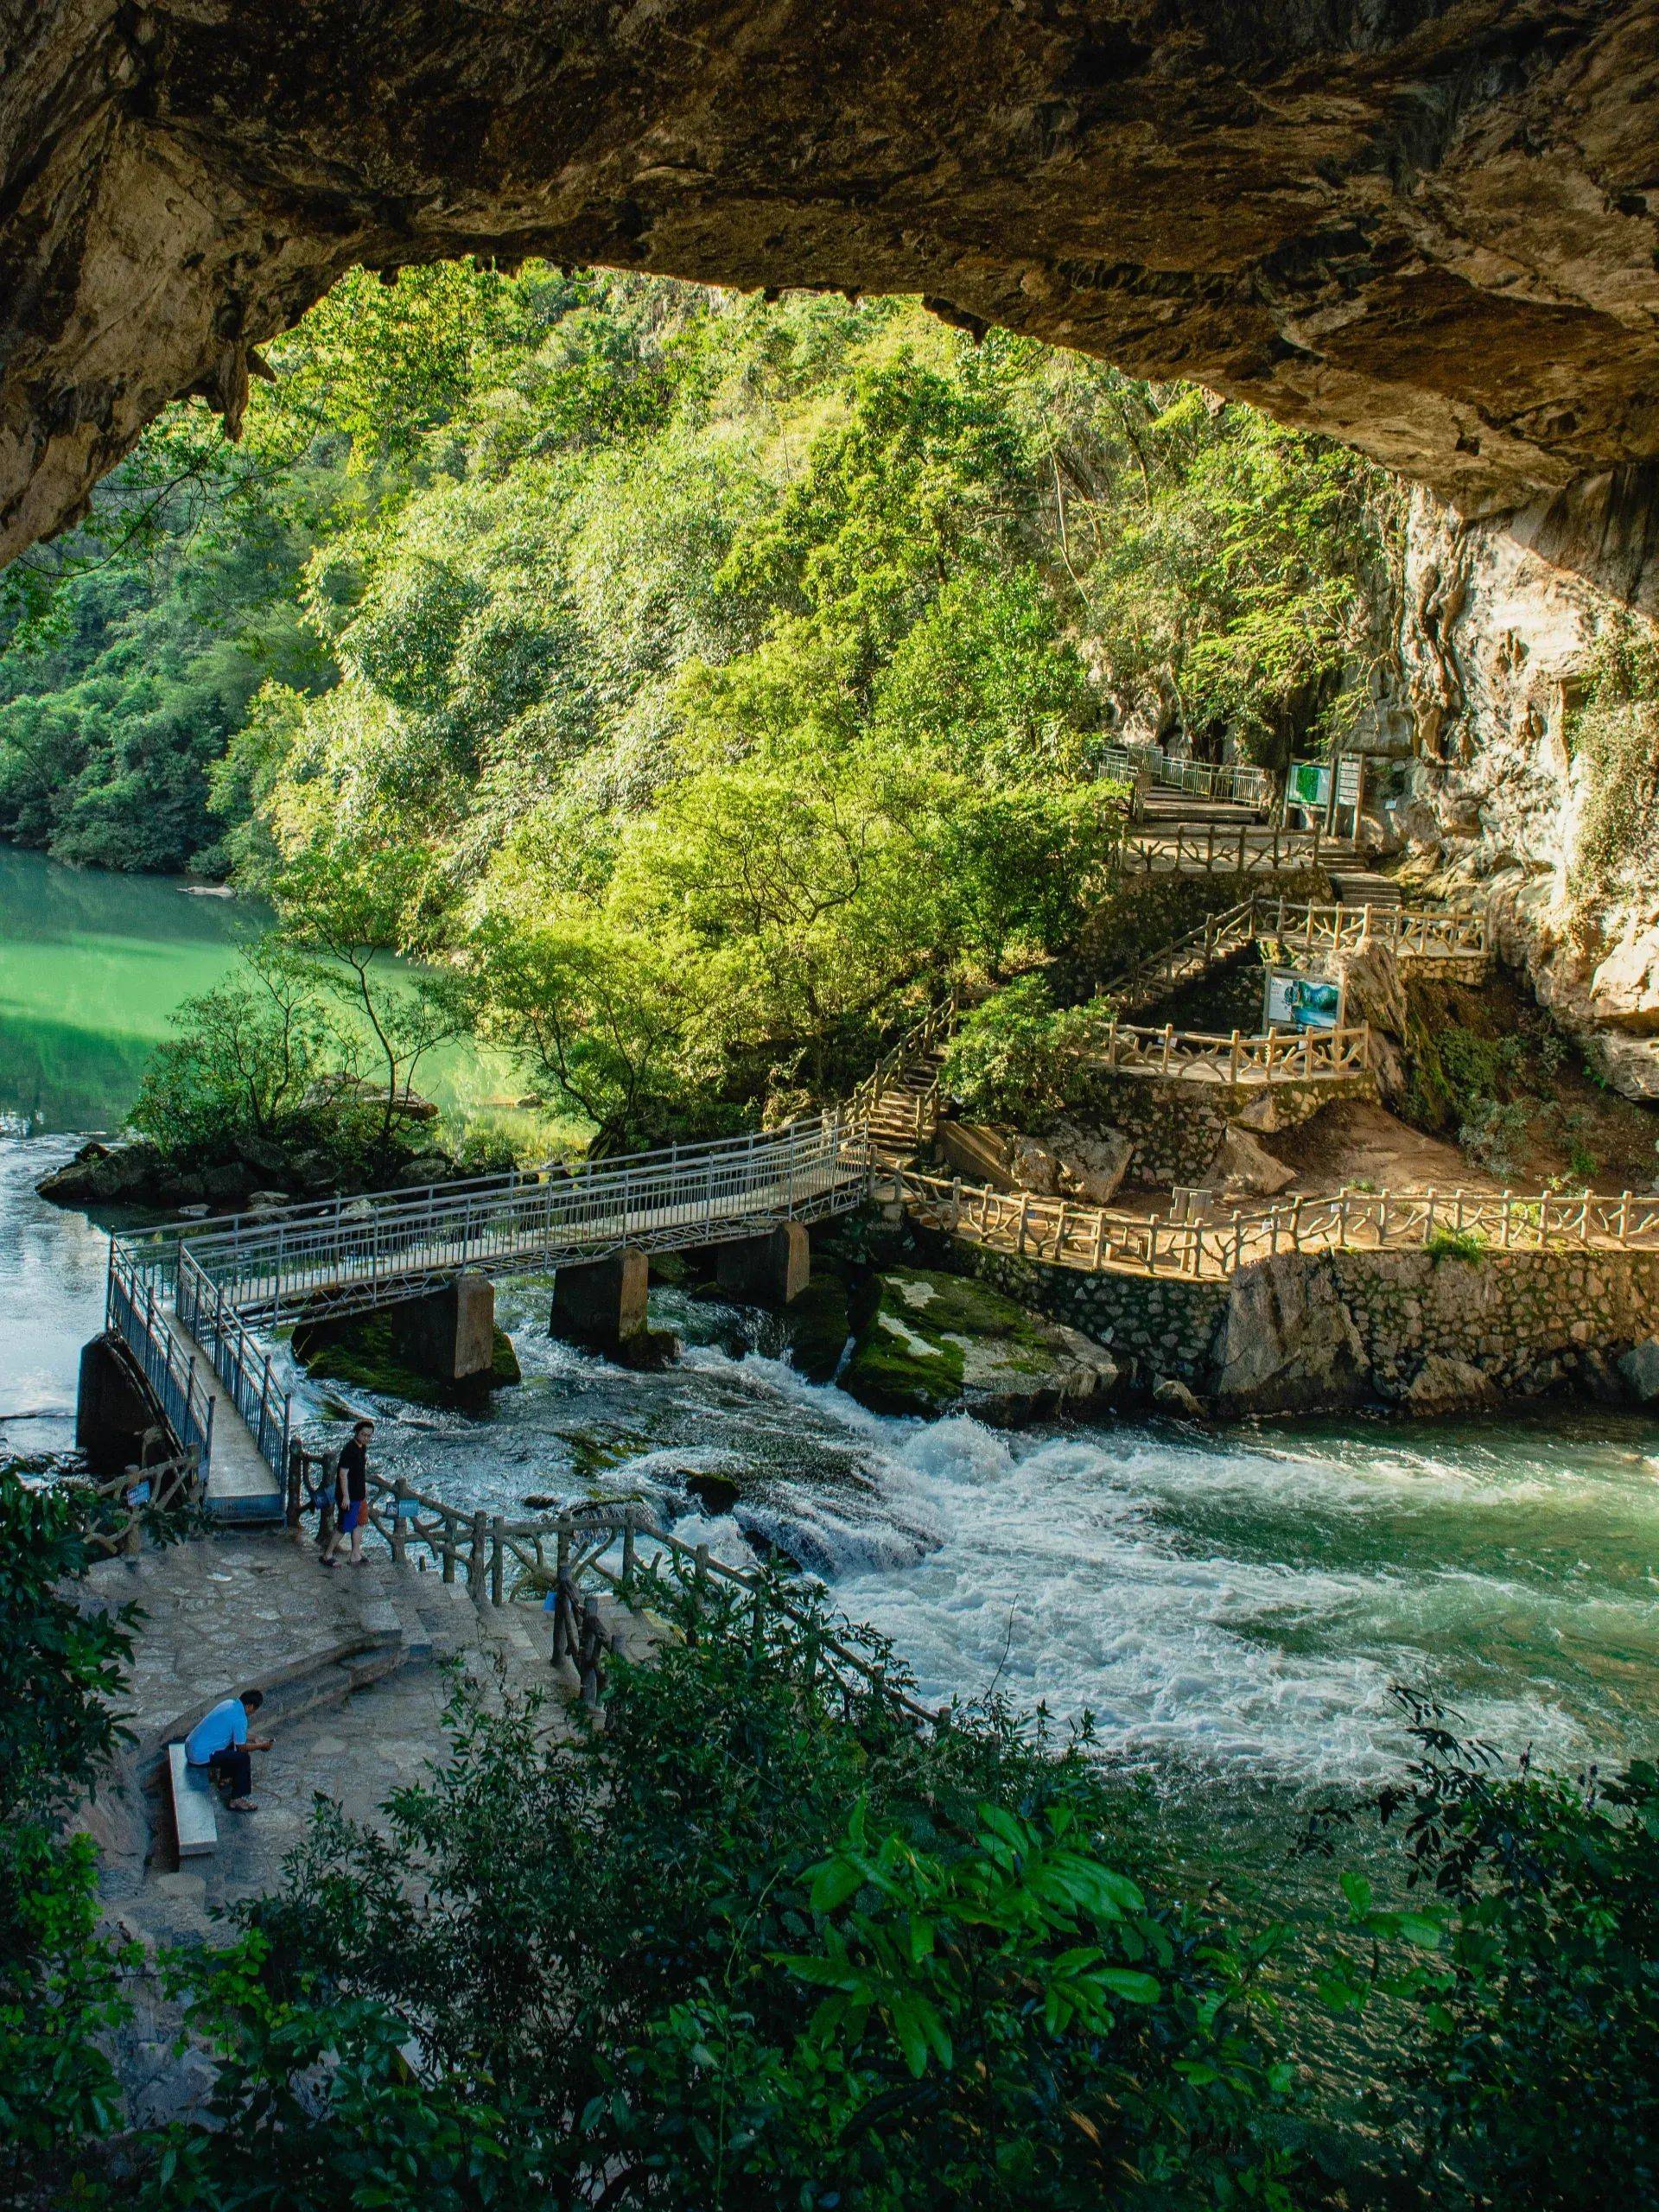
(498, 1562)
(1233, 1067)
(956, 1202)
(1623, 1217)
(448, 1546)
(294, 1499)
(1169, 1039)
(1100, 1238)
(1025, 1209)
(475, 1564)
(1508, 1221)
(628, 1548)
(399, 1525)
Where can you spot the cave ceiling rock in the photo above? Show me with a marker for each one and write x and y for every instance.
(1429, 227)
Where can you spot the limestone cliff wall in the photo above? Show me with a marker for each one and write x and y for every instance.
(1497, 626)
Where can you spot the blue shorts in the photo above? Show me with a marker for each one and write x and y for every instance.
(353, 1515)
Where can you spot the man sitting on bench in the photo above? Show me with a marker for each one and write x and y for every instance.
(221, 1743)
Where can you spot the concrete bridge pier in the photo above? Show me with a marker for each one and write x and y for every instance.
(114, 1410)
(601, 1304)
(450, 1333)
(770, 1270)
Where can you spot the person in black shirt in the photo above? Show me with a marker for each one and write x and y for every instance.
(353, 1485)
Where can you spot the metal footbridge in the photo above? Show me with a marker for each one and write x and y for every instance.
(185, 1299)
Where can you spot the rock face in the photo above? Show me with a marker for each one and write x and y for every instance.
(936, 1344)
(1289, 1343)
(1246, 1169)
(1496, 639)
(1428, 229)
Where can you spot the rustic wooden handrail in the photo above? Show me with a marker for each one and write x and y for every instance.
(1412, 933)
(1098, 1239)
(136, 1495)
(561, 1554)
(1280, 1056)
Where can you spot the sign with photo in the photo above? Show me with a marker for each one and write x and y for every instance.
(1309, 784)
(1293, 1000)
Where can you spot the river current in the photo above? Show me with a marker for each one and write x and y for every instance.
(1230, 1606)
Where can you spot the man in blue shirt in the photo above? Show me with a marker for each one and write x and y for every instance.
(220, 1742)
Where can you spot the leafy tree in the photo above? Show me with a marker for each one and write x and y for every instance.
(1524, 1962)
(246, 1062)
(342, 904)
(1019, 1058)
(671, 1953)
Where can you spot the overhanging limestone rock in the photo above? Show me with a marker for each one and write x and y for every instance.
(1428, 230)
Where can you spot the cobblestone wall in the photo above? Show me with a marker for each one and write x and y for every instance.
(1175, 1123)
(1169, 1327)
(1324, 1331)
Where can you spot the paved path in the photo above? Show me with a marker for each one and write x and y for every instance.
(353, 1663)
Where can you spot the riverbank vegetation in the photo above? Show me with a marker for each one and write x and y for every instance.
(710, 677)
(812, 1953)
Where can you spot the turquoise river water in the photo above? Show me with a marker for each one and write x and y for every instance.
(1232, 1607)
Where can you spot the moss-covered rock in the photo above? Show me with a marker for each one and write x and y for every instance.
(817, 1327)
(366, 1351)
(934, 1344)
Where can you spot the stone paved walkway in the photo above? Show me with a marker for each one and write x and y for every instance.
(352, 1665)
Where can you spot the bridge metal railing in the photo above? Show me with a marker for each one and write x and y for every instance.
(134, 1312)
(372, 1252)
(240, 1365)
(1233, 779)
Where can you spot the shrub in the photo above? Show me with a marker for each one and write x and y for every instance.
(60, 1985)
(799, 1954)
(1525, 2077)
(1019, 1058)
(1454, 1244)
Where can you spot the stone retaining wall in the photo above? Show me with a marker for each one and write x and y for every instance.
(1175, 1124)
(1165, 1325)
(1309, 1332)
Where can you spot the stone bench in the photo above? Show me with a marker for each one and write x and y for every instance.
(195, 1816)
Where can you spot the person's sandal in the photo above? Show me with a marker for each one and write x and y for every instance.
(241, 1805)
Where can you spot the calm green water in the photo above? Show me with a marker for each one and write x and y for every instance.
(92, 966)
(1232, 1607)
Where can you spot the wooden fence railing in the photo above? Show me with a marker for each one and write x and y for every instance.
(1412, 933)
(1281, 1056)
(1222, 848)
(569, 1557)
(920, 1038)
(1094, 1238)
(129, 1500)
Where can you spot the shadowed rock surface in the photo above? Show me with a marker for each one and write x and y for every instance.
(1430, 230)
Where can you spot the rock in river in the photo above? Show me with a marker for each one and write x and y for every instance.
(937, 1343)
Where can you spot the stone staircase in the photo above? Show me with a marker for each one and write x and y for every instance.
(906, 1112)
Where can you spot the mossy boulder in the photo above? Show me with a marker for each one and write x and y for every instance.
(817, 1327)
(933, 1344)
(368, 1353)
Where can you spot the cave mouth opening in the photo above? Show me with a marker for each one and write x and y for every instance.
(1429, 234)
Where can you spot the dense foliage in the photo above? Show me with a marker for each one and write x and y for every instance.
(1528, 1957)
(716, 676)
(795, 1951)
(797, 1956)
(59, 1979)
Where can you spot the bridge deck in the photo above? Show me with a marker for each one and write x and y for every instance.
(240, 1486)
